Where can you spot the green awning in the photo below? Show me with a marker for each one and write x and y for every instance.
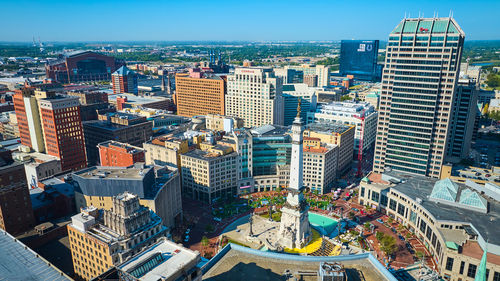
(452, 245)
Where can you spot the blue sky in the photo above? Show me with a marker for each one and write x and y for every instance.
(109, 20)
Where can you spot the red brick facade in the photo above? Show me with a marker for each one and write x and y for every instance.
(119, 154)
(63, 134)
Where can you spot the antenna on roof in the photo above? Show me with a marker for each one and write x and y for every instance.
(419, 14)
(405, 14)
(449, 15)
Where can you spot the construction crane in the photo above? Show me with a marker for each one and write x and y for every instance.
(359, 173)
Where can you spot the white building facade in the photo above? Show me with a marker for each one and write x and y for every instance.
(360, 114)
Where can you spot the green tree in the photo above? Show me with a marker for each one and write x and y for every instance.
(367, 225)
(204, 241)
(493, 80)
(345, 98)
(388, 244)
(419, 254)
(351, 215)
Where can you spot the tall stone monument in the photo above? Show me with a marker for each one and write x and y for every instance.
(295, 231)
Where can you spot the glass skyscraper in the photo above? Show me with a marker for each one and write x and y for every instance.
(418, 89)
(359, 58)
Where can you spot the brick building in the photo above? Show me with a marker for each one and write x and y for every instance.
(199, 93)
(113, 153)
(63, 132)
(16, 214)
(122, 127)
(124, 81)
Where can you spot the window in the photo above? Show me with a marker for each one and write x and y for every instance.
(449, 264)
(471, 272)
(392, 204)
(496, 276)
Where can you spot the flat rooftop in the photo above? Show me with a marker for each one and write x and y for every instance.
(168, 257)
(205, 155)
(270, 130)
(415, 186)
(18, 262)
(138, 100)
(235, 262)
(36, 156)
(102, 172)
(327, 127)
(128, 147)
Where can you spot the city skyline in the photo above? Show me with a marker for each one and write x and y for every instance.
(276, 21)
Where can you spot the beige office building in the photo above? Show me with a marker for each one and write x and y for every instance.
(165, 151)
(320, 165)
(99, 239)
(336, 134)
(209, 174)
(254, 95)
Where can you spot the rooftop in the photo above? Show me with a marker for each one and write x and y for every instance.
(37, 157)
(162, 260)
(137, 100)
(207, 155)
(128, 147)
(360, 108)
(428, 26)
(414, 186)
(124, 70)
(270, 130)
(328, 127)
(136, 172)
(235, 262)
(52, 187)
(18, 262)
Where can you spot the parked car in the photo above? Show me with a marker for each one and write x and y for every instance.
(401, 237)
(393, 230)
(380, 221)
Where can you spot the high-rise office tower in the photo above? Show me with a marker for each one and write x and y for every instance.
(51, 123)
(463, 120)
(199, 93)
(63, 132)
(254, 94)
(28, 119)
(124, 81)
(359, 58)
(418, 85)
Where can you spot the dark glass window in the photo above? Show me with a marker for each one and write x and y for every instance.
(449, 264)
(471, 271)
